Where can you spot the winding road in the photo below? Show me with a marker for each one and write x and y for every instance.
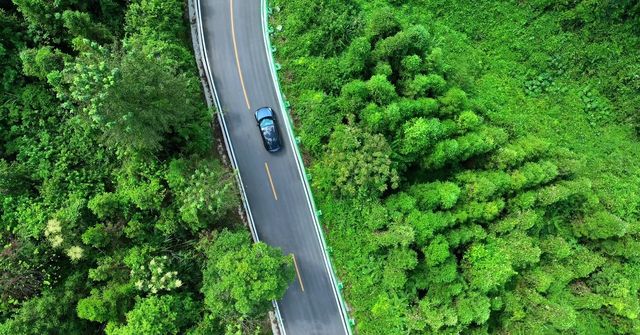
(276, 196)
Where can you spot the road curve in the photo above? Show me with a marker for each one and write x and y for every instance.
(276, 196)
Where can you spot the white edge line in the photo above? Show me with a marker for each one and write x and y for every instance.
(227, 141)
(220, 114)
(300, 165)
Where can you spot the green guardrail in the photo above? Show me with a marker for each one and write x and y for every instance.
(287, 111)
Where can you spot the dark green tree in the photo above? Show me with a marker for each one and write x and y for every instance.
(158, 315)
(241, 279)
(357, 164)
(133, 98)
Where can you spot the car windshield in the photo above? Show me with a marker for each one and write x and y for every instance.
(263, 113)
(266, 123)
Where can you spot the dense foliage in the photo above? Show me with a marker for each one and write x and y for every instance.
(116, 216)
(474, 160)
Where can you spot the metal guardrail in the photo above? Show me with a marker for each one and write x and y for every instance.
(227, 138)
(337, 286)
(284, 106)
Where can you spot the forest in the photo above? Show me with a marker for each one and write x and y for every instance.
(477, 163)
(117, 213)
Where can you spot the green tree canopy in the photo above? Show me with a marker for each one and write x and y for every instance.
(241, 279)
(358, 164)
(157, 315)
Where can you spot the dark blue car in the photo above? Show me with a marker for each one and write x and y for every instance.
(266, 119)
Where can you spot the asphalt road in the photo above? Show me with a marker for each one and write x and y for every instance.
(276, 195)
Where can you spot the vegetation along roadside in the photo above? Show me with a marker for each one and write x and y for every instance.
(116, 215)
(476, 162)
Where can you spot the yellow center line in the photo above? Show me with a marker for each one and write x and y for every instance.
(295, 264)
(235, 50)
(273, 188)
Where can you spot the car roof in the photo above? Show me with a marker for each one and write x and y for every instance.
(270, 134)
